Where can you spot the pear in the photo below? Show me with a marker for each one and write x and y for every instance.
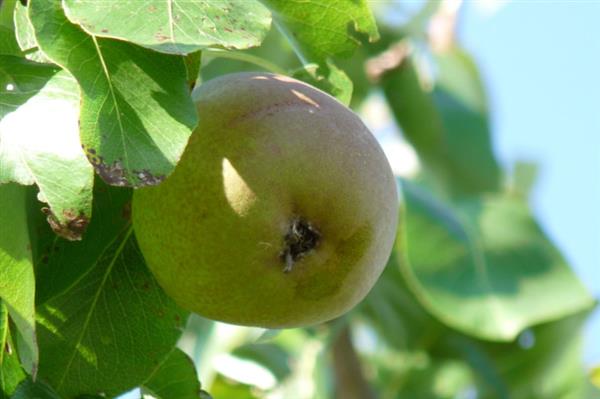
(282, 211)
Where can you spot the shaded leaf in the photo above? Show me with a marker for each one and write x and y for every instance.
(16, 266)
(175, 378)
(537, 367)
(271, 356)
(192, 67)
(20, 80)
(533, 366)
(174, 26)
(39, 143)
(205, 395)
(395, 313)
(267, 335)
(34, 390)
(274, 51)
(111, 329)
(449, 125)
(484, 266)
(8, 42)
(136, 111)
(6, 12)
(60, 263)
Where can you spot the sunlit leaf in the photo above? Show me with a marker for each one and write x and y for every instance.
(11, 373)
(335, 82)
(320, 29)
(16, 266)
(174, 26)
(136, 111)
(223, 387)
(25, 34)
(323, 28)
(595, 376)
(39, 142)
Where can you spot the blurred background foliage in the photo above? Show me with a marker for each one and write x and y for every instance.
(476, 301)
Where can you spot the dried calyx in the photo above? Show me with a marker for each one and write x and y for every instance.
(300, 239)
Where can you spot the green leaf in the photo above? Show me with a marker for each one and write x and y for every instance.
(545, 362)
(136, 111)
(20, 80)
(267, 335)
(321, 29)
(110, 329)
(595, 376)
(395, 313)
(8, 42)
(335, 82)
(6, 13)
(3, 329)
(39, 143)
(484, 266)
(192, 67)
(34, 390)
(60, 263)
(523, 178)
(174, 26)
(271, 356)
(26, 36)
(175, 378)
(448, 126)
(16, 266)
(11, 373)
(223, 387)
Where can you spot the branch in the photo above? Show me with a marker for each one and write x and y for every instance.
(350, 383)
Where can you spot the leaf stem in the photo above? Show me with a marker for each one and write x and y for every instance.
(240, 56)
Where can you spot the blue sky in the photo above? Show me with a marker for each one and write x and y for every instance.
(541, 64)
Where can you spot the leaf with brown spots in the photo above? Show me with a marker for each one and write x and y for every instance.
(174, 26)
(136, 112)
(39, 141)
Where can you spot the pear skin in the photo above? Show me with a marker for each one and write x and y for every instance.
(282, 211)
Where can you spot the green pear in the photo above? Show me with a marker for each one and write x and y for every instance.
(282, 211)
